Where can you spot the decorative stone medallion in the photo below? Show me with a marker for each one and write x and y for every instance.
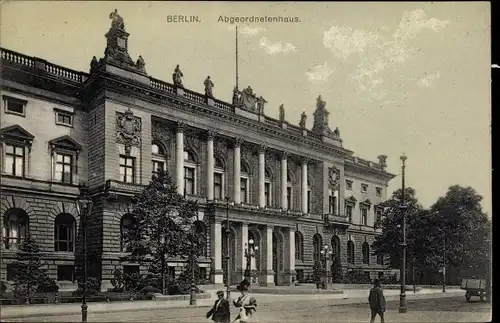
(128, 129)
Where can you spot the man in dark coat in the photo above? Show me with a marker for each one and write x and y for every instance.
(220, 312)
(377, 301)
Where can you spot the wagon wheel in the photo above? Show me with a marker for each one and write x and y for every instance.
(467, 296)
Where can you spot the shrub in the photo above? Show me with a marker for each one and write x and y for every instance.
(3, 287)
(47, 285)
(356, 277)
(93, 286)
(317, 273)
(118, 281)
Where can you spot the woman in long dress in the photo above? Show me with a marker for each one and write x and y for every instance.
(245, 303)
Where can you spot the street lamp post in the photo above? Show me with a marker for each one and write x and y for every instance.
(326, 253)
(444, 262)
(228, 267)
(250, 250)
(413, 277)
(192, 296)
(84, 206)
(403, 207)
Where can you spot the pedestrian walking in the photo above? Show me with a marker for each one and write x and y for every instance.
(245, 303)
(220, 311)
(377, 301)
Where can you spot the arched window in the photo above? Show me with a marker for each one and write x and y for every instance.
(299, 246)
(268, 186)
(380, 260)
(366, 253)
(189, 173)
(64, 233)
(124, 227)
(159, 155)
(317, 245)
(245, 183)
(350, 252)
(201, 231)
(219, 174)
(336, 248)
(15, 227)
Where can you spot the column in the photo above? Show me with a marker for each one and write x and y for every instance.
(269, 256)
(304, 185)
(237, 170)
(342, 192)
(216, 251)
(262, 176)
(179, 156)
(291, 255)
(244, 240)
(210, 166)
(284, 203)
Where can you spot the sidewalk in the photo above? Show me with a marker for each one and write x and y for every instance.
(349, 297)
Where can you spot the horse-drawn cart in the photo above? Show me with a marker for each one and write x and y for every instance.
(476, 287)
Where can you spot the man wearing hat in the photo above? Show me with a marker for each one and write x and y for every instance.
(377, 301)
(220, 312)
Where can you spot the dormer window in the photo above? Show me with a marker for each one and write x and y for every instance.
(14, 105)
(64, 118)
(378, 191)
(348, 185)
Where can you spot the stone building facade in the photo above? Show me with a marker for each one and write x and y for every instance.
(291, 190)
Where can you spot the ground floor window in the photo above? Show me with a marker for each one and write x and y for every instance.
(131, 269)
(300, 275)
(11, 272)
(66, 273)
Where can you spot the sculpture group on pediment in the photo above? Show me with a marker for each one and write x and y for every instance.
(320, 104)
(177, 77)
(116, 20)
(128, 129)
(382, 160)
(209, 85)
(247, 100)
(303, 119)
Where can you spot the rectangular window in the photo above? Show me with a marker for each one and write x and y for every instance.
(380, 260)
(218, 185)
(189, 180)
(64, 165)
(308, 201)
(14, 160)
(15, 105)
(158, 165)
(348, 184)
(332, 201)
(364, 188)
(11, 272)
(379, 215)
(127, 166)
(364, 216)
(267, 193)
(65, 273)
(244, 190)
(131, 269)
(349, 213)
(378, 191)
(289, 197)
(65, 119)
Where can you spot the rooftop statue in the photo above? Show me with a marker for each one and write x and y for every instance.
(93, 64)
(141, 65)
(260, 104)
(209, 85)
(177, 77)
(303, 119)
(282, 113)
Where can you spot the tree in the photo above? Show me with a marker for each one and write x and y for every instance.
(389, 242)
(30, 274)
(463, 231)
(161, 225)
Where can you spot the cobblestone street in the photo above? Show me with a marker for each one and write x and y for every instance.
(451, 309)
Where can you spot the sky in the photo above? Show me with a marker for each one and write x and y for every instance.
(397, 78)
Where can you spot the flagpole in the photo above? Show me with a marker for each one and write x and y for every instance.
(237, 57)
